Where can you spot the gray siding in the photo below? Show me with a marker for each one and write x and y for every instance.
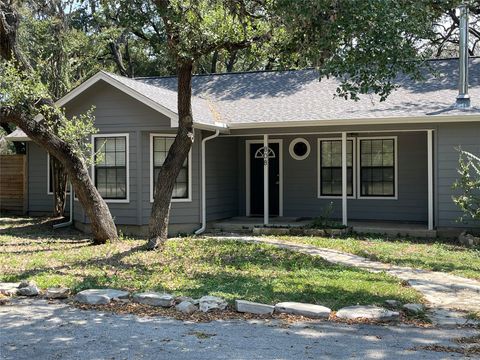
(116, 112)
(222, 178)
(450, 137)
(300, 183)
(40, 202)
(182, 212)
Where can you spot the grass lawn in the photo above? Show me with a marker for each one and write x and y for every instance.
(32, 250)
(422, 254)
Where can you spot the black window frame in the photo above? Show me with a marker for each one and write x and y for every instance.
(350, 169)
(384, 168)
(154, 168)
(101, 148)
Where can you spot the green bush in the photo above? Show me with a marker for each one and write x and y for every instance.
(468, 184)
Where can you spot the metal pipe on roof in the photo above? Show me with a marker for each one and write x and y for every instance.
(463, 99)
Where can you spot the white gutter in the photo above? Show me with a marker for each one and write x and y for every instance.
(204, 185)
(70, 221)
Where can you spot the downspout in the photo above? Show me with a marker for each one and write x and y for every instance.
(204, 185)
(70, 221)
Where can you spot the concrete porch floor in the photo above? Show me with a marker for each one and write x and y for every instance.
(390, 228)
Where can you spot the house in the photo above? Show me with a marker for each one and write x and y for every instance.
(269, 145)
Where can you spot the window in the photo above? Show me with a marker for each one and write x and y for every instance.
(330, 157)
(111, 166)
(377, 167)
(299, 149)
(160, 145)
(50, 177)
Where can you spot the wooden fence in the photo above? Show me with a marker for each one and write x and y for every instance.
(13, 184)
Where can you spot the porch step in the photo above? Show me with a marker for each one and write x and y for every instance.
(246, 224)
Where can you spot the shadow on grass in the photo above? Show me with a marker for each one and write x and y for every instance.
(36, 228)
(228, 269)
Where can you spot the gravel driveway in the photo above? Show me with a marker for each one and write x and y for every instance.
(33, 329)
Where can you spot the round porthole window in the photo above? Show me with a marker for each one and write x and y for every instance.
(299, 149)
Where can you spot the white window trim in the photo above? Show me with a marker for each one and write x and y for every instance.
(359, 183)
(247, 173)
(189, 198)
(127, 164)
(319, 168)
(292, 146)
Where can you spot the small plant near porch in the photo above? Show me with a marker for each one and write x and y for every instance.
(325, 220)
(469, 198)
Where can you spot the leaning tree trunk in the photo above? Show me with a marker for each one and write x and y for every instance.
(158, 228)
(102, 225)
(59, 182)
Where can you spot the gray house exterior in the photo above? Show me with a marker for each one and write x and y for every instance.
(277, 133)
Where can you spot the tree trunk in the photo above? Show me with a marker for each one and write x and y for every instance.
(59, 178)
(102, 225)
(158, 227)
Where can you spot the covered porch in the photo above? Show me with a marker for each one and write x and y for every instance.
(389, 228)
(373, 179)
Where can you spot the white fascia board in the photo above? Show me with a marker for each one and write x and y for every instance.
(353, 122)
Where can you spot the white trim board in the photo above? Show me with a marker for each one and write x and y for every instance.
(433, 119)
(395, 138)
(189, 198)
(338, 132)
(247, 173)
(354, 163)
(127, 164)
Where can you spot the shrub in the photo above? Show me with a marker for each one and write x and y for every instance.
(469, 185)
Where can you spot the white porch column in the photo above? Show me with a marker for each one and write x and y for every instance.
(265, 180)
(430, 178)
(344, 178)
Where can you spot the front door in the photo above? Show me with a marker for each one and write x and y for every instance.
(256, 179)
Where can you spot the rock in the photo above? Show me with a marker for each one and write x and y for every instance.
(468, 239)
(9, 289)
(26, 283)
(367, 312)
(392, 303)
(208, 303)
(99, 296)
(30, 290)
(414, 308)
(57, 293)
(244, 306)
(186, 307)
(309, 310)
(154, 299)
(4, 299)
(180, 299)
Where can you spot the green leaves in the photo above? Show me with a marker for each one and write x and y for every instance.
(365, 43)
(19, 88)
(469, 186)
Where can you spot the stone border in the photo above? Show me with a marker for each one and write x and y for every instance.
(209, 303)
(298, 231)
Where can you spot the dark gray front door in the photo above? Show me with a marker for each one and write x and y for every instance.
(256, 180)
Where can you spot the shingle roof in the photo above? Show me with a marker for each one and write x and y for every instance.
(251, 99)
(285, 96)
(167, 97)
